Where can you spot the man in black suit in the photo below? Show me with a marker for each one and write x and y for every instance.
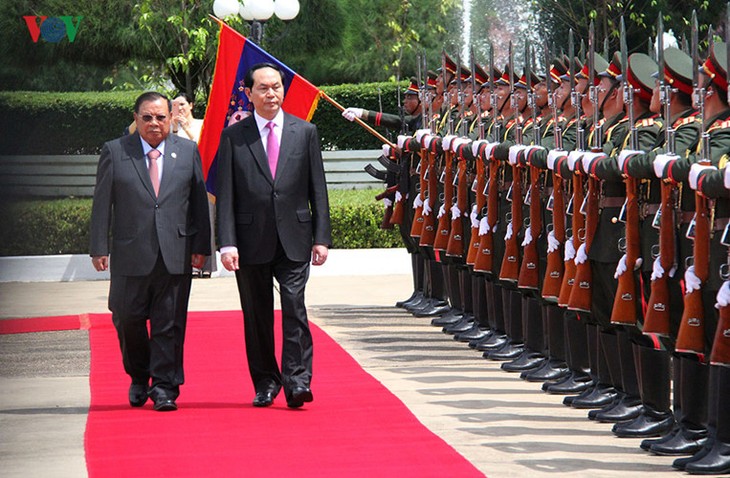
(151, 194)
(273, 218)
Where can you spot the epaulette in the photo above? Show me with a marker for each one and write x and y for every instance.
(719, 124)
(685, 121)
(645, 123)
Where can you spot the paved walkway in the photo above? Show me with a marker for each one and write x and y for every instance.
(506, 427)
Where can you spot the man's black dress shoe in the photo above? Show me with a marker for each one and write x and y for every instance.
(165, 405)
(264, 399)
(138, 394)
(299, 396)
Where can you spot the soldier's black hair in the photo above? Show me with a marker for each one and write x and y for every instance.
(248, 78)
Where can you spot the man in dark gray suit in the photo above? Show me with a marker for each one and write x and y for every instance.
(273, 219)
(150, 193)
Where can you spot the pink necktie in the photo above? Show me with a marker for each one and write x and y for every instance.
(272, 148)
(154, 171)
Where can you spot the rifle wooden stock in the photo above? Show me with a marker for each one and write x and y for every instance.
(455, 246)
(510, 269)
(656, 321)
(626, 302)
(484, 261)
(398, 212)
(417, 225)
(529, 276)
(721, 345)
(481, 200)
(555, 270)
(444, 225)
(428, 231)
(578, 224)
(691, 335)
(581, 294)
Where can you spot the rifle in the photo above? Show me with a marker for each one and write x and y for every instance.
(484, 261)
(529, 277)
(656, 320)
(455, 247)
(511, 261)
(428, 228)
(576, 185)
(581, 292)
(691, 335)
(553, 278)
(626, 305)
(480, 183)
(721, 345)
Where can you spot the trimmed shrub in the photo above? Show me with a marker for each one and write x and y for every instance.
(61, 226)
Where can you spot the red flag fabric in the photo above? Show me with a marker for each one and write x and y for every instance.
(227, 102)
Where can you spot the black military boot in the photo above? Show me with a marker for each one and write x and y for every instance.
(417, 280)
(451, 317)
(555, 366)
(532, 324)
(577, 353)
(656, 417)
(717, 460)
(603, 356)
(691, 432)
(647, 443)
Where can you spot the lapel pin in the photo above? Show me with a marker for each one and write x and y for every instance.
(174, 155)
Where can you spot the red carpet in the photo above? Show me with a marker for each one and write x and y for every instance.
(354, 428)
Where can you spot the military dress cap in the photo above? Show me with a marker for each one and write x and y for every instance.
(577, 68)
(640, 75)
(449, 64)
(613, 69)
(716, 65)
(557, 70)
(678, 70)
(431, 78)
(522, 82)
(600, 65)
(504, 79)
(481, 77)
(465, 74)
(413, 88)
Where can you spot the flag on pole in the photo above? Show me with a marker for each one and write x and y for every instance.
(228, 103)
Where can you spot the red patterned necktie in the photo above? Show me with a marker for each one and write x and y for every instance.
(154, 171)
(272, 148)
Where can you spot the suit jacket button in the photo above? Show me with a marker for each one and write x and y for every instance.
(157, 206)
(276, 195)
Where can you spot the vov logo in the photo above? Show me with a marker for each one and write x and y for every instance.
(52, 29)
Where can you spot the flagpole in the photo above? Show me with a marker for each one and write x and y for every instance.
(367, 127)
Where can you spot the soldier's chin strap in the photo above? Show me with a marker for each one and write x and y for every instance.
(614, 85)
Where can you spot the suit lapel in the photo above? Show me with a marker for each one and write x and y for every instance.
(133, 148)
(172, 149)
(253, 140)
(287, 141)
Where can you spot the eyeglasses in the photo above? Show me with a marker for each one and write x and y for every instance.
(149, 118)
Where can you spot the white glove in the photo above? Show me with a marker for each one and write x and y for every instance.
(446, 143)
(455, 212)
(581, 256)
(508, 233)
(402, 138)
(514, 150)
(420, 133)
(442, 211)
(351, 113)
(621, 267)
(427, 141)
(657, 271)
(458, 142)
(418, 202)
(553, 157)
(528, 237)
(475, 146)
(574, 157)
(488, 150)
(723, 295)
(695, 172)
(483, 226)
(589, 158)
(660, 163)
(473, 216)
(427, 207)
(386, 150)
(726, 178)
(387, 202)
(691, 281)
(569, 250)
(624, 155)
(553, 243)
(398, 196)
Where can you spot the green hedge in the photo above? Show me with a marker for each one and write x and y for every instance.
(79, 123)
(61, 226)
